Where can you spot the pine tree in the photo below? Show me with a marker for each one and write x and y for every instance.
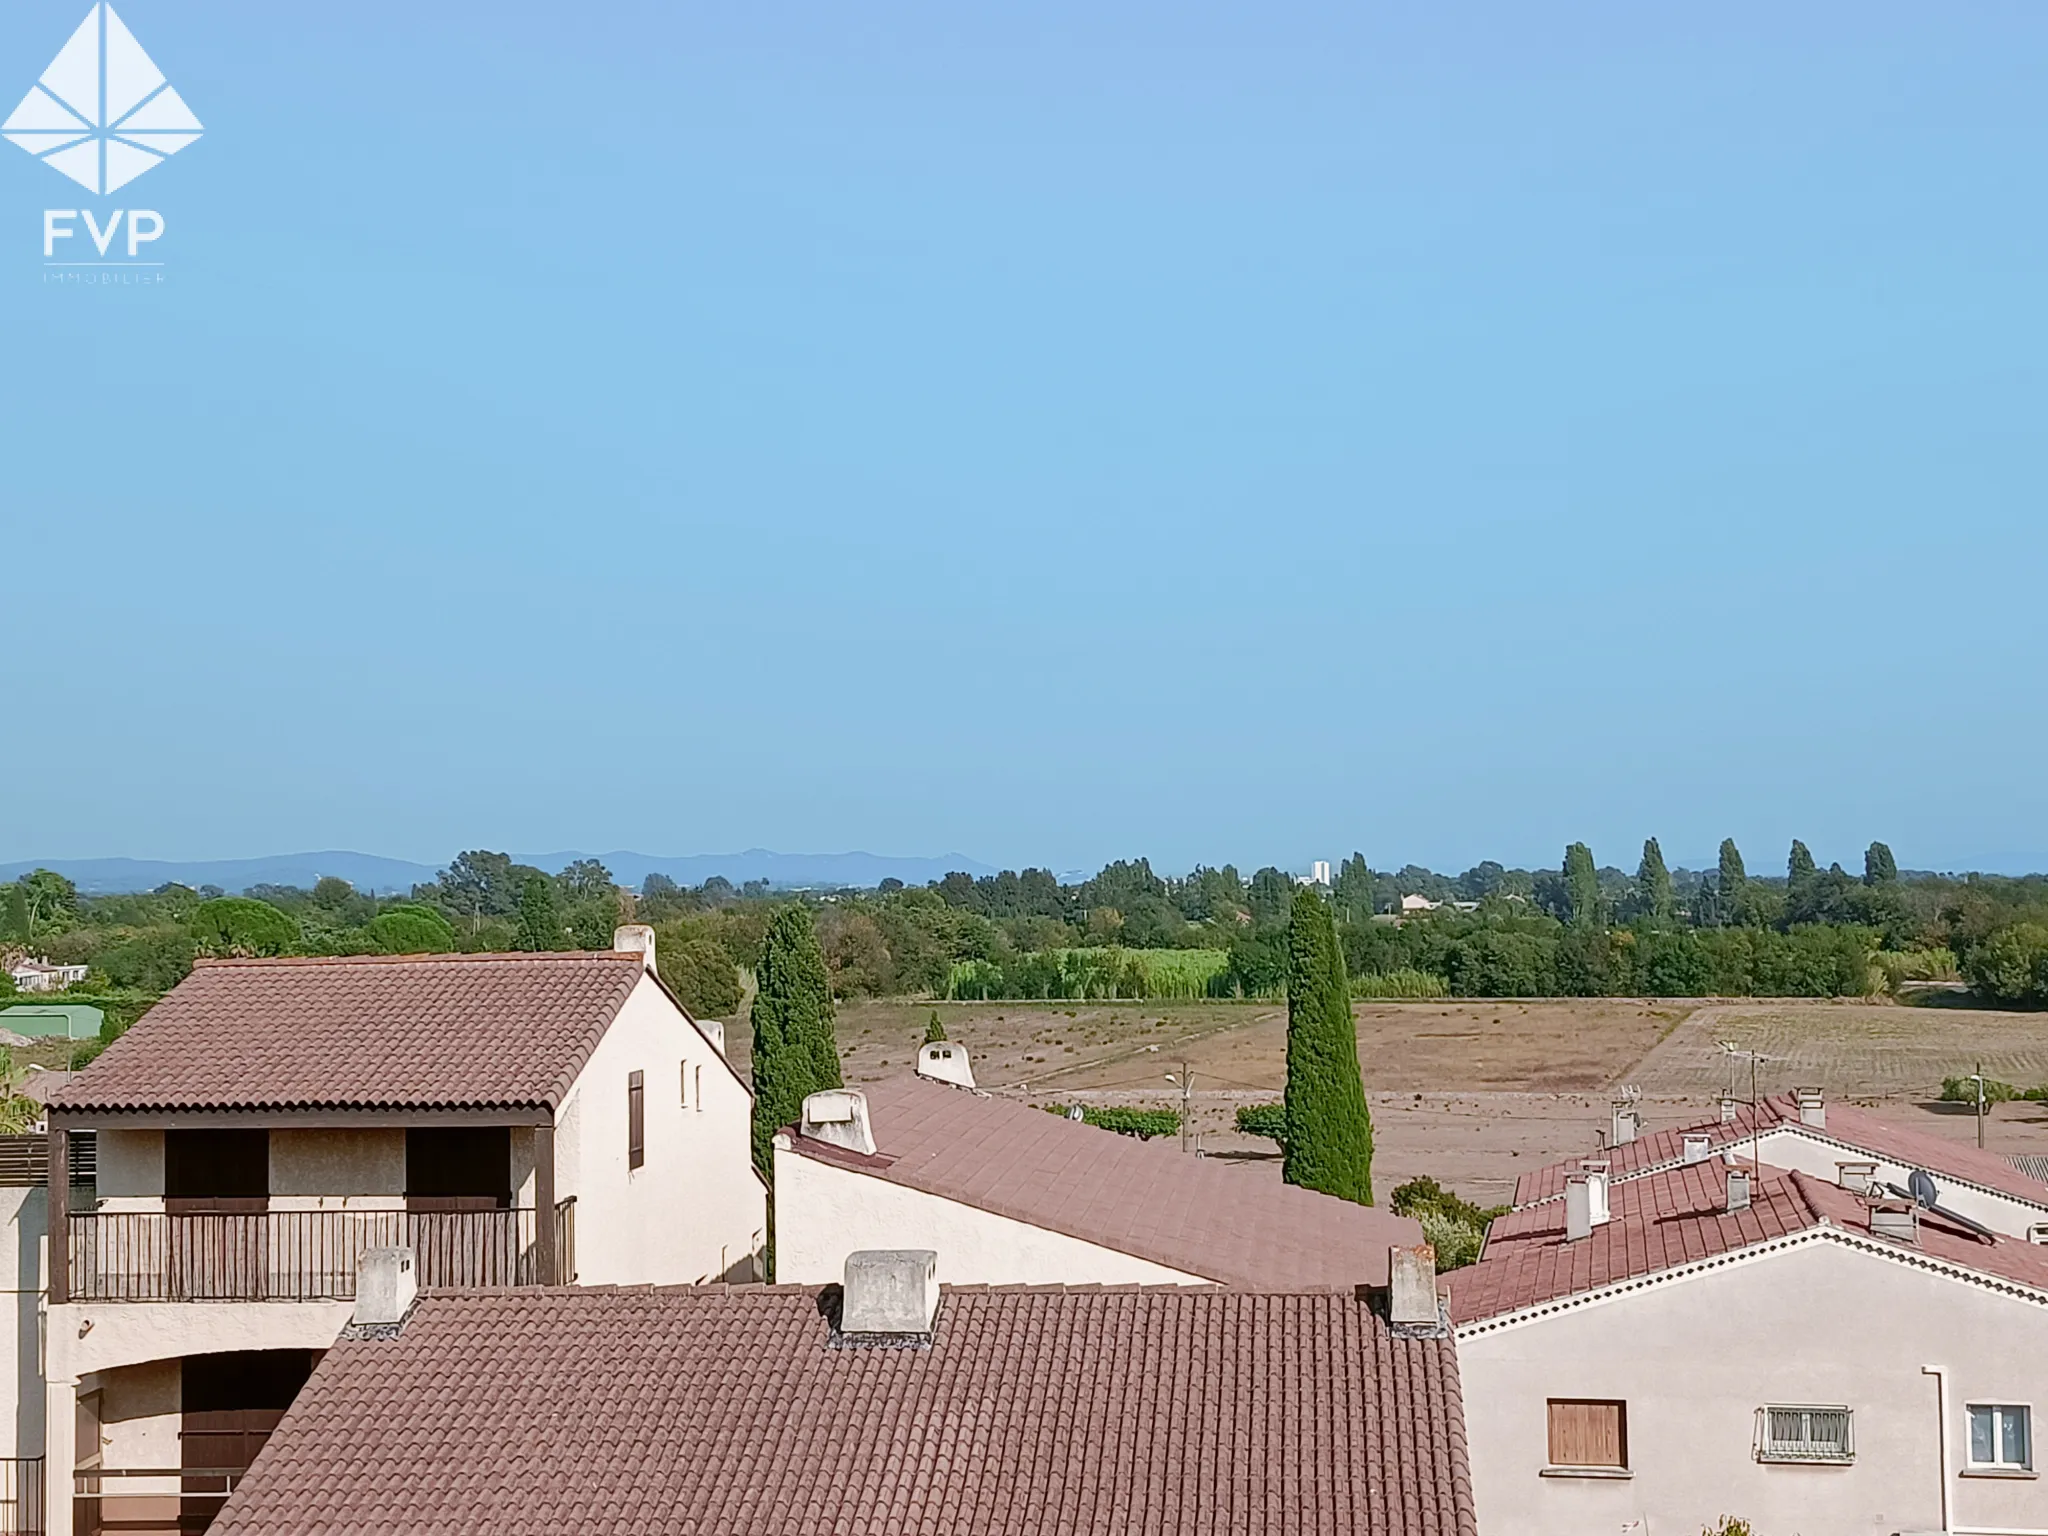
(1879, 867)
(540, 928)
(1582, 885)
(935, 1029)
(1653, 881)
(1329, 1128)
(795, 1052)
(1731, 888)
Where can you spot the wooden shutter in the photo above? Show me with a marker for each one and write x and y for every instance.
(1588, 1433)
(636, 1119)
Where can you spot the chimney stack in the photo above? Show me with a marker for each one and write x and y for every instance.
(1859, 1178)
(1813, 1108)
(636, 939)
(1623, 1124)
(946, 1062)
(1898, 1220)
(1738, 1189)
(1411, 1292)
(890, 1293)
(1599, 1181)
(1698, 1146)
(386, 1283)
(838, 1117)
(1729, 1104)
(1578, 1207)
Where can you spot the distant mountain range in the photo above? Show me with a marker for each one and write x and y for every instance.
(370, 872)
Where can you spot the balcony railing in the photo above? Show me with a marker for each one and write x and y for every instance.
(21, 1496)
(291, 1255)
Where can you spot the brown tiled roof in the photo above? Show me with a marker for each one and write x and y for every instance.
(1197, 1215)
(1677, 1216)
(1855, 1130)
(415, 1031)
(708, 1412)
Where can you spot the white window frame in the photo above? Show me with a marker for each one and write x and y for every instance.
(1813, 1453)
(1998, 1411)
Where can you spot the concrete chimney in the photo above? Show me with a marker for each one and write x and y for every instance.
(386, 1283)
(636, 939)
(1599, 1179)
(839, 1116)
(1738, 1189)
(1623, 1125)
(1411, 1291)
(1729, 1105)
(1859, 1178)
(1898, 1220)
(890, 1292)
(1578, 1207)
(946, 1062)
(1813, 1107)
(1699, 1146)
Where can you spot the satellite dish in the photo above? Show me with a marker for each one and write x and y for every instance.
(1921, 1187)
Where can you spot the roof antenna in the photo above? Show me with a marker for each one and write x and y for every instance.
(1756, 1134)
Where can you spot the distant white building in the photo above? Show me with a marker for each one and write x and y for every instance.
(1318, 874)
(1414, 903)
(41, 976)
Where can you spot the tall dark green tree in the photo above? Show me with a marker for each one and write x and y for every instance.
(1353, 893)
(1879, 867)
(1329, 1128)
(1653, 882)
(1582, 885)
(795, 1052)
(540, 926)
(1731, 886)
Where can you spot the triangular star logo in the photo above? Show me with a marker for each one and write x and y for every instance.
(102, 113)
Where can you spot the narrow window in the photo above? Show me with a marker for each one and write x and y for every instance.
(1588, 1433)
(684, 1100)
(2002, 1437)
(1807, 1434)
(700, 1090)
(636, 1119)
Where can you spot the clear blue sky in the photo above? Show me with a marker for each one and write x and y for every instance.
(1047, 432)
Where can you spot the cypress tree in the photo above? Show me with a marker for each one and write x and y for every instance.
(935, 1029)
(1354, 891)
(1653, 881)
(1582, 885)
(1879, 867)
(1731, 892)
(795, 1052)
(1329, 1128)
(539, 926)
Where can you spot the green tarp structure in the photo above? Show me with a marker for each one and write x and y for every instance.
(65, 1021)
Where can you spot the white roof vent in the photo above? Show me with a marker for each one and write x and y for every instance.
(2038, 1233)
(1698, 1146)
(1738, 1189)
(1859, 1178)
(945, 1061)
(839, 1117)
(1578, 1207)
(1599, 1177)
(890, 1294)
(1813, 1107)
(1898, 1220)
(1411, 1287)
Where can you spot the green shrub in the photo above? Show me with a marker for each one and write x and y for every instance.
(1457, 1243)
(410, 929)
(242, 925)
(1399, 984)
(703, 976)
(2011, 966)
(1267, 1120)
(934, 1029)
(1141, 1123)
(1901, 966)
(1963, 1090)
(1425, 1194)
(1088, 974)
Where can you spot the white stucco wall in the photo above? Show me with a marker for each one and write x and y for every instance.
(141, 1413)
(1815, 1324)
(823, 1213)
(695, 1210)
(1789, 1148)
(22, 1227)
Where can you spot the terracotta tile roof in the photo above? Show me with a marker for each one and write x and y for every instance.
(1677, 1216)
(366, 1032)
(709, 1412)
(1196, 1215)
(1855, 1130)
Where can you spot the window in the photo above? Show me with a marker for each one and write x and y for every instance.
(1807, 1434)
(684, 1100)
(2001, 1437)
(1585, 1432)
(700, 1090)
(636, 1119)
